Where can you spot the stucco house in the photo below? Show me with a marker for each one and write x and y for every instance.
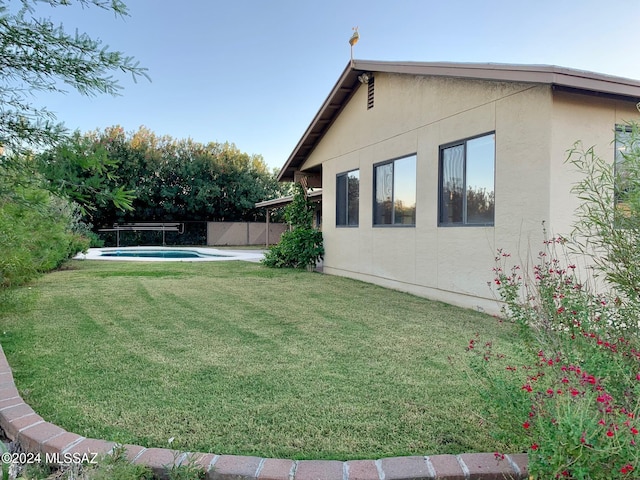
(427, 168)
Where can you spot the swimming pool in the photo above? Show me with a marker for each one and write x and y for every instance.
(159, 254)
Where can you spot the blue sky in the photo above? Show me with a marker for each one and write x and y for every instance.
(255, 72)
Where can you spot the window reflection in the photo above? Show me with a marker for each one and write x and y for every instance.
(395, 192)
(347, 198)
(480, 179)
(467, 173)
(404, 191)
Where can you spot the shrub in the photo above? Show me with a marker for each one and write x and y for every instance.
(300, 247)
(573, 395)
(37, 235)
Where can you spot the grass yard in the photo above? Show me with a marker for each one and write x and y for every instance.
(235, 358)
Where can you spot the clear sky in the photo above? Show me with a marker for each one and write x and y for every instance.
(255, 72)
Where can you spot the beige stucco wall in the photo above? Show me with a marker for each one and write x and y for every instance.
(534, 128)
(592, 123)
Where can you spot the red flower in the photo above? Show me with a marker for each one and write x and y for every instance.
(634, 431)
(610, 433)
(628, 468)
(534, 446)
(526, 425)
(527, 387)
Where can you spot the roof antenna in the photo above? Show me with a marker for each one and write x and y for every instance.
(353, 40)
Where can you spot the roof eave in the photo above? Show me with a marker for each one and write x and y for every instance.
(577, 81)
(334, 103)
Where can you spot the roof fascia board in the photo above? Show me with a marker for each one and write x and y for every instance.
(547, 74)
(578, 81)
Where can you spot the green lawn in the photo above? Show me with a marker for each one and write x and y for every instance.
(235, 358)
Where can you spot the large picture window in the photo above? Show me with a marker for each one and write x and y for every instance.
(347, 198)
(467, 170)
(394, 202)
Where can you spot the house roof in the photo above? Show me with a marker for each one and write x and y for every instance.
(560, 78)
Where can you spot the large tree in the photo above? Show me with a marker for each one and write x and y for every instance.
(38, 55)
(171, 179)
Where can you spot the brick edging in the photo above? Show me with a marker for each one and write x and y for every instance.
(21, 424)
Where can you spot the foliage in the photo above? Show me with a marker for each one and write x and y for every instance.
(300, 247)
(574, 394)
(170, 179)
(38, 55)
(40, 196)
(83, 172)
(186, 469)
(113, 466)
(5, 465)
(116, 466)
(38, 231)
(576, 388)
(609, 215)
(299, 213)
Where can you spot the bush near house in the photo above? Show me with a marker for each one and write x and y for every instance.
(300, 247)
(573, 395)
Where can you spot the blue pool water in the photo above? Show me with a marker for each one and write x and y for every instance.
(147, 253)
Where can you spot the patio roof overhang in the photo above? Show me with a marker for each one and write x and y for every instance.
(313, 195)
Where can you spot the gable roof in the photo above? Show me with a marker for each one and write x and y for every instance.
(559, 78)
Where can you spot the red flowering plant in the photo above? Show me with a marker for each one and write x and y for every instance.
(572, 398)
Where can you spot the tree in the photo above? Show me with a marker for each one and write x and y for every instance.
(84, 173)
(38, 55)
(171, 179)
(39, 219)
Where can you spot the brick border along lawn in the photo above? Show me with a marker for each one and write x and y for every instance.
(20, 423)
